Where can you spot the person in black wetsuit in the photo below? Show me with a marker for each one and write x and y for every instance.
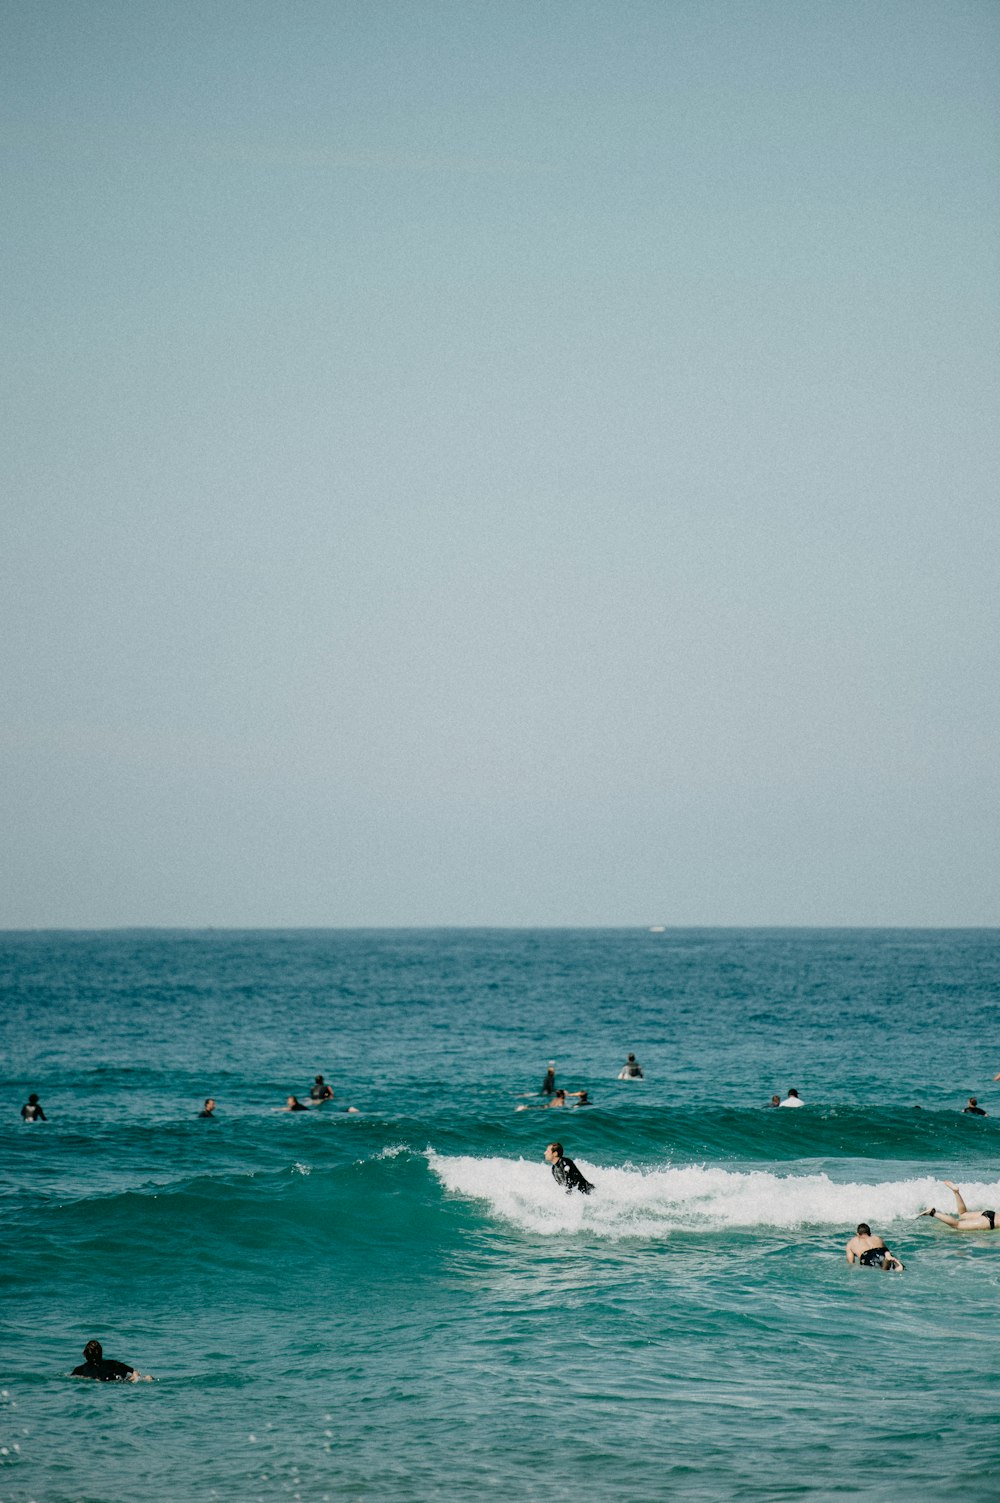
(973, 1108)
(549, 1083)
(293, 1104)
(105, 1369)
(564, 1171)
(208, 1110)
(871, 1252)
(32, 1110)
(320, 1091)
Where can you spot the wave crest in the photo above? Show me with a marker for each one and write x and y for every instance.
(653, 1202)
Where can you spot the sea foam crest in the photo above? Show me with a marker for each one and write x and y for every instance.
(651, 1202)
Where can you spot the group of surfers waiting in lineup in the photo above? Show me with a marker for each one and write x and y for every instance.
(865, 1248)
(319, 1093)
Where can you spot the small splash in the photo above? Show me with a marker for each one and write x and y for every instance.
(301, 1168)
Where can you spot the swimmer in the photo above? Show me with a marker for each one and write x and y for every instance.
(558, 1099)
(631, 1069)
(293, 1104)
(564, 1171)
(792, 1099)
(871, 1251)
(973, 1108)
(774, 1101)
(966, 1220)
(320, 1091)
(208, 1110)
(32, 1110)
(549, 1083)
(105, 1369)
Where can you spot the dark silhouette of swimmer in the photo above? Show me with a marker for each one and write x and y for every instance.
(32, 1110)
(973, 1108)
(320, 1091)
(293, 1104)
(549, 1083)
(105, 1369)
(631, 1069)
(871, 1252)
(208, 1110)
(564, 1171)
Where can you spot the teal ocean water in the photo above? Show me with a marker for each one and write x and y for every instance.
(399, 1303)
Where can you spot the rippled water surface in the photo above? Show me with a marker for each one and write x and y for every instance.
(398, 1303)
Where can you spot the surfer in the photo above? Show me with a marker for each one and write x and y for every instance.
(320, 1091)
(966, 1220)
(106, 1369)
(564, 1171)
(631, 1069)
(558, 1099)
(870, 1251)
(973, 1108)
(31, 1111)
(549, 1083)
(293, 1104)
(774, 1101)
(208, 1110)
(792, 1099)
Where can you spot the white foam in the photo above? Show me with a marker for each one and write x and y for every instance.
(651, 1202)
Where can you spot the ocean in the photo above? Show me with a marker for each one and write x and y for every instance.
(400, 1304)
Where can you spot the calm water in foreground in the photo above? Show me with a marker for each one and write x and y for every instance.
(400, 1305)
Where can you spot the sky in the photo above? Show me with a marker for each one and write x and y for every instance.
(499, 463)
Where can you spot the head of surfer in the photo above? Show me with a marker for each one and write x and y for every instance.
(93, 1352)
(864, 1230)
(553, 1153)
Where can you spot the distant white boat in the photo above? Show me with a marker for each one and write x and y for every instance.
(657, 928)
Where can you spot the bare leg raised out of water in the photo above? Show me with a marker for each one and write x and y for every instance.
(960, 1203)
(966, 1220)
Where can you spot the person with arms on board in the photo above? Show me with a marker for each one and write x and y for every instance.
(966, 1220)
(564, 1171)
(870, 1251)
(106, 1369)
(293, 1104)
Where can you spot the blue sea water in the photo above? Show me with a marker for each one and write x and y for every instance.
(399, 1304)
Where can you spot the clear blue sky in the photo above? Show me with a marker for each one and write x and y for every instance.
(500, 463)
